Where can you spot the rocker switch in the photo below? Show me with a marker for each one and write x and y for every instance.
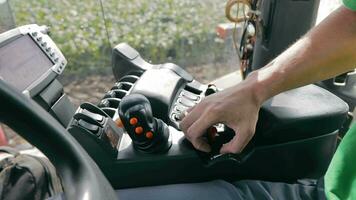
(90, 127)
(190, 95)
(94, 116)
(186, 102)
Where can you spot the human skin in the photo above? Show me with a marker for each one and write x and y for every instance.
(329, 49)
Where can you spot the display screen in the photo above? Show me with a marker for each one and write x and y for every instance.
(22, 62)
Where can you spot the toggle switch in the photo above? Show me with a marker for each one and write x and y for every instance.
(90, 127)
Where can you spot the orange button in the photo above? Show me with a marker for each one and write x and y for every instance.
(138, 130)
(119, 123)
(133, 121)
(149, 135)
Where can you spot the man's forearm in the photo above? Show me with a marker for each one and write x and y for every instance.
(329, 49)
(326, 51)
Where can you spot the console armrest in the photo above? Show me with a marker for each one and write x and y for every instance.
(301, 113)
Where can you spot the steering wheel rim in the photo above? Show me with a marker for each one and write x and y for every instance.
(81, 177)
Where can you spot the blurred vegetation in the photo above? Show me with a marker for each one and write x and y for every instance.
(180, 31)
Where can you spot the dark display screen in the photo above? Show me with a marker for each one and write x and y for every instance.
(22, 62)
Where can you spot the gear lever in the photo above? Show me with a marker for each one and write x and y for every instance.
(148, 134)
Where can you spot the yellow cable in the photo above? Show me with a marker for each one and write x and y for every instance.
(230, 4)
(228, 8)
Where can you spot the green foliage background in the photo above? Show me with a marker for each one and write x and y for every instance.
(180, 31)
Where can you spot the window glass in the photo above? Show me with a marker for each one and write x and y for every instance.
(178, 31)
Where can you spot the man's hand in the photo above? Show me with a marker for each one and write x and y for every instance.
(236, 107)
(327, 50)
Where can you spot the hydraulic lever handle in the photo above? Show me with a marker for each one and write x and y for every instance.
(216, 140)
(92, 108)
(89, 119)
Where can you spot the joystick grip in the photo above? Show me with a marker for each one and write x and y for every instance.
(148, 134)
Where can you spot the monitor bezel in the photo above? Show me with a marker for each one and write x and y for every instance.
(39, 36)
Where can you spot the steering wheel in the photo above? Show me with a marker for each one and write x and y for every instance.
(81, 177)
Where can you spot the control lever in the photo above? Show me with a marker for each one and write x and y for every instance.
(87, 118)
(90, 114)
(211, 90)
(148, 134)
(92, 108)
(217, 136)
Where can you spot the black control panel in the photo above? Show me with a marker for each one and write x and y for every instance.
(169, 93)
(147, 147)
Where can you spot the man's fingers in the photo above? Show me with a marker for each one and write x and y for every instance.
(237, 143)
(190, 109)
(191, 115)
(201, 144)
(197, 130)
(200, 126)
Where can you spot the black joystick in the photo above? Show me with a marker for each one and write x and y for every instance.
(148, 134)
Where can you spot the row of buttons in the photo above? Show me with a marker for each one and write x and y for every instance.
(47, 49)
(138, 129)
(185, 100)
(112, 98)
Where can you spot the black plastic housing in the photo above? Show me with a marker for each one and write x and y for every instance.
(295, 137)
(283, 22)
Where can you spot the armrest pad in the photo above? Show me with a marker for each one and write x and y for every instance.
(301, 113)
